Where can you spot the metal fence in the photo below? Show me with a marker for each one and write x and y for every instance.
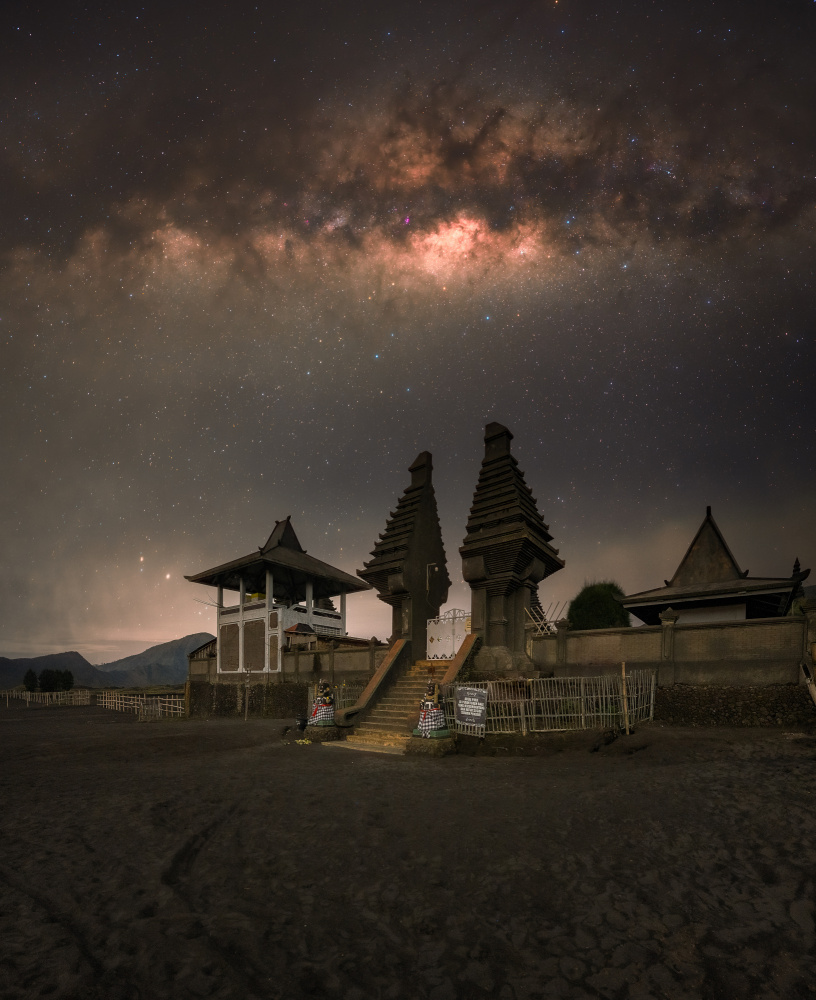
(559, 704)
(146, 705)
(79, 697)
(345, 695)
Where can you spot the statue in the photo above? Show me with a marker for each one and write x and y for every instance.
(431, 713)
(323, 706)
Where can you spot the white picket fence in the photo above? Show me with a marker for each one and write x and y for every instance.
(145, 705)
(79, 697)
(559, 704)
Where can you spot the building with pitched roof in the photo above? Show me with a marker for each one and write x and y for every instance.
(709, 586)
(281, 589)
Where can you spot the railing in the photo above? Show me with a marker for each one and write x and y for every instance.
(78, 697)
(146, 705)
(559, 704)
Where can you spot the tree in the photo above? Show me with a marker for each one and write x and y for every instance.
(597, 605)
(30, 680)
(50, 680)
(67, 680)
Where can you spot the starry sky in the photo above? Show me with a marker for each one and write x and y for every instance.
(255, 257)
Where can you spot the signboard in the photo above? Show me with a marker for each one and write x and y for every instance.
(470, 706)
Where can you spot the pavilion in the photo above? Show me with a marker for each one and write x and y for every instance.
(279, 586)
(709, 585)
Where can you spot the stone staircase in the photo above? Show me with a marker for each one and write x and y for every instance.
(392, 719)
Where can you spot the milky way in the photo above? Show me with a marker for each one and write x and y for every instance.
(254, 262)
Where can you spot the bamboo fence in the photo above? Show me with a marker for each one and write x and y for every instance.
(79, 697)
(146, 705)
(559, 704)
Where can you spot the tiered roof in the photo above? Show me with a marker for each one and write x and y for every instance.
(413, 525)
(504, 512)
(292, 568)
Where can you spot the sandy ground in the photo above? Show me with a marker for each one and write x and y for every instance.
(213, 859)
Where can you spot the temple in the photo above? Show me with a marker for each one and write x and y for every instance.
(709, 585)
(283, 593)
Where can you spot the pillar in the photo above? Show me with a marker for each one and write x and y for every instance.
(241, 600)
(666, 673)
(270, 600)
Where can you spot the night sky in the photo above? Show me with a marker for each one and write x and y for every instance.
(253, 260)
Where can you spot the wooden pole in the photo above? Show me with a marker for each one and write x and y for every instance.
(625, 701)
(583, 703)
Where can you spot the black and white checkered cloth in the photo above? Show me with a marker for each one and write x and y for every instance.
(322, 713)
(431, 719)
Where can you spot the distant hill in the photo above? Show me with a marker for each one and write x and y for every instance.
(162, 664)
(13, 671)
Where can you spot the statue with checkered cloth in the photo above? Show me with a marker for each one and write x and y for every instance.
(323, 706)
(431, 714)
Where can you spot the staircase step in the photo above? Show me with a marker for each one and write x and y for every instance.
(386, 742)
(394, 710)
(376, 728)
(352, 744)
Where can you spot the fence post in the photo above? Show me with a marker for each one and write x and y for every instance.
(583, 703)
(625, 702)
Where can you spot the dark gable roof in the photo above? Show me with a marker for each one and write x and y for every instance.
(709, 575)
(291, 566)
(708, 559)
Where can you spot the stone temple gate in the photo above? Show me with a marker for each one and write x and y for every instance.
(505, 555)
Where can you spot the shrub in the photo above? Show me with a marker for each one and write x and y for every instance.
(597, 605)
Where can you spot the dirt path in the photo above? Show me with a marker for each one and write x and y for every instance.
(186, 859)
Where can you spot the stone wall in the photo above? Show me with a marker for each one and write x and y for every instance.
(704, 705)
(354, 665)
(266, 700)
(750, 653)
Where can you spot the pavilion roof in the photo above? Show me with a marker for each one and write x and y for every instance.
(291, 566)
(708, 575)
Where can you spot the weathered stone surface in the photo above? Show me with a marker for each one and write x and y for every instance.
(322, 734)
(431, 748)
(505, 554)
(774, 705)
(408, 566)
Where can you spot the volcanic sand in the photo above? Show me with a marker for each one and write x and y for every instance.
(215, 859)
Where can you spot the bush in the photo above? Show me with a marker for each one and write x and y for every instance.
(597, 605)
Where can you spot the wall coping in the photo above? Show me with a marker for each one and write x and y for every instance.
(786, 620)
